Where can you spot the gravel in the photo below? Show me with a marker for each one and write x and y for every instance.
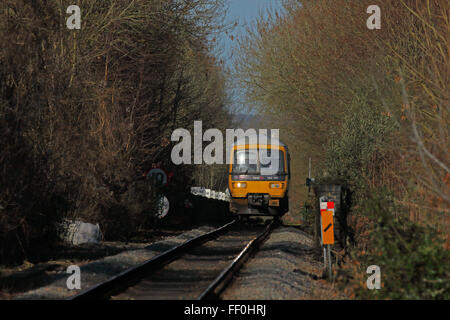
(100, 270)
(283, 269)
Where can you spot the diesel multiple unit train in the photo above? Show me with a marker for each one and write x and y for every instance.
(259, 176)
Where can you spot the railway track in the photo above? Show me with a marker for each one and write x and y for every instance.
(200, 268)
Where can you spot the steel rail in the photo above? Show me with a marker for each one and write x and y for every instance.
(128, 277)
(220, 283)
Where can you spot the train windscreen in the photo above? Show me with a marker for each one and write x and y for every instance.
(264, 162)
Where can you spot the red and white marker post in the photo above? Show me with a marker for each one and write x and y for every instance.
(327, 210)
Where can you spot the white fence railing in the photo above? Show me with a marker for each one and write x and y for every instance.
(210, 194)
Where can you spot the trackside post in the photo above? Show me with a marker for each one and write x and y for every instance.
(327, 210)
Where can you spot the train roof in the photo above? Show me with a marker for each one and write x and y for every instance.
(270, 140)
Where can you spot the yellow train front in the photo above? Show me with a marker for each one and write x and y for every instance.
(257, 187)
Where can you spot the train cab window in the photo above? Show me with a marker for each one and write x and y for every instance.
(271, 162)
(246, 162)
(250, 161)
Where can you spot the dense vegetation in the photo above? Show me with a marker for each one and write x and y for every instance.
(84, 114)
(371, 107)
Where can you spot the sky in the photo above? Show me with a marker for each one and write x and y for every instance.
(244, 12)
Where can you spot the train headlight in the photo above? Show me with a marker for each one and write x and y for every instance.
(240, 185)
(276, 185)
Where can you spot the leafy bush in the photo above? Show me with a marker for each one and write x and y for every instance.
(413, 261)
(307, 214)
(364, 134)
